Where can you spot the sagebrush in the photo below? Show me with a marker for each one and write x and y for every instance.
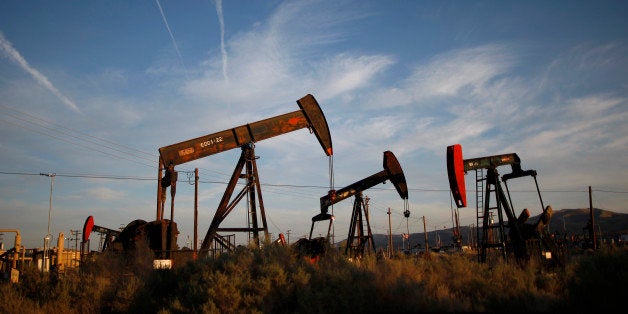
(275, 280)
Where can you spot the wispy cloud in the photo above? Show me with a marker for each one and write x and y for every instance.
(345, 73)
(223, 51)
(470, 72)
(450, 73)
(16, 57)
(581, 126)
(106, 194)
(267, 61)
(456, 96)
(174, 42)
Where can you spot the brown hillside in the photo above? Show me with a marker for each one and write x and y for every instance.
(569, 221)
(574, 220)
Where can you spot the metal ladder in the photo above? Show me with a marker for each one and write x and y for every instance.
(479, 205)
(489, 238)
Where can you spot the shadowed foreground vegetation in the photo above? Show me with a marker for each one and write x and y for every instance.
(273, 280)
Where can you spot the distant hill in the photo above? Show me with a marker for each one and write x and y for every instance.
(571, 221)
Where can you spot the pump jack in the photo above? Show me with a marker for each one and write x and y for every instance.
(309, 116)
(357, 241)
(524, 240)
(161, 234)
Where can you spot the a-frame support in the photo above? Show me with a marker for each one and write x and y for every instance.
(519, 233)
(489, 228)
(252, 189)
(358, 241)
(491, 238)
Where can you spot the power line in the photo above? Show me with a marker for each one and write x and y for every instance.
(46, 125)
(47, 122)
(20, 173)
(88, 176)
(120, 177)
(75, 143)
(607, 191)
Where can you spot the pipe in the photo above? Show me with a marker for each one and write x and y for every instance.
(18, 240)
(60, 246)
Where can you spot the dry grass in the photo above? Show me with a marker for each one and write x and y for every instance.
(274, 280)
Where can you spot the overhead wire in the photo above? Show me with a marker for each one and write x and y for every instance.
(88, 176)
(372, 204)
(76, 131)
(75, 143)
(49, 128)
(140, 154)
(291, 186)
(398, 226)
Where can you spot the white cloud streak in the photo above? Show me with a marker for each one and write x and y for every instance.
(223, 51)
(16, 57)
(105, 194)
(454, 97)
(472, 72)
(267, 62)
(346, 73)
(174, 42)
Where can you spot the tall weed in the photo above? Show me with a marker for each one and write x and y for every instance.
(274, 279)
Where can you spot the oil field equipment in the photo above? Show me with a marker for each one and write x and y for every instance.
(161, 234)
(9, 258)
(127, 238)
(360, 240)
(524, 240)
(309, 116)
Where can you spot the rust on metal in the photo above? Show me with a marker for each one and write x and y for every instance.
(395, 174)
(317, 122)
(490, 161)
(392, 171)
(310, 116)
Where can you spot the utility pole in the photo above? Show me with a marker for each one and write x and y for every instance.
(390, 245)
(48, 236)
(288, 233)
(591, 221)
(427, 251)
(472, 236)
(195, 212)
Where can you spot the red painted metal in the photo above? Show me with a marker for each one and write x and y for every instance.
(455, 172)
(87, 228)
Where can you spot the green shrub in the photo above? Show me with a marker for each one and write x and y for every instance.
(274, 279)
(596, 282)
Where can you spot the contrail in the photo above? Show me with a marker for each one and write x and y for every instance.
(163, 16)
(223, 51)
(16, 57)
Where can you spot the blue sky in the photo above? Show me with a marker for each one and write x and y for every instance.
(90, 90)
